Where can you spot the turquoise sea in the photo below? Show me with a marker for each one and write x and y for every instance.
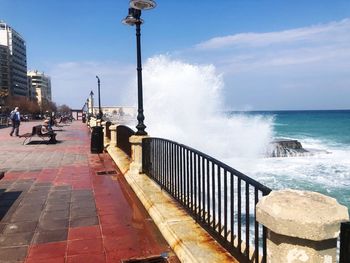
(330, 126)
(327, 134)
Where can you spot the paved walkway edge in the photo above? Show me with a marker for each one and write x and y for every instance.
(120, 158)
(189, 240)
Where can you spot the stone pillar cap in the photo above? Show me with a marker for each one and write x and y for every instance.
(302, 214)
(113, 127)
(137, 138)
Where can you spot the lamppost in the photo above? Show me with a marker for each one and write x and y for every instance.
(92, 103)
(134, 19)
(87, 106)
(99, 99)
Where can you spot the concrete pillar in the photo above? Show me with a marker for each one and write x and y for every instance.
(92, 122)
(113, 141)
(302, 226)
(136, 152)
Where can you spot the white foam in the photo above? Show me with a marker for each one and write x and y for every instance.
(184, 103)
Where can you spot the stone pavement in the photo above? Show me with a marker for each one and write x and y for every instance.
(59, 203)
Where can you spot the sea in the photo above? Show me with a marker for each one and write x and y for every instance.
(326, 134)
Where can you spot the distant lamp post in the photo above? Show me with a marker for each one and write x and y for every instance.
(87, 106)
(99, 99)
(134, 19)
(92, 102)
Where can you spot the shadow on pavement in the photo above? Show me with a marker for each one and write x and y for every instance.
(7, 199)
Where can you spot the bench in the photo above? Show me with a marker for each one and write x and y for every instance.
(36, 131)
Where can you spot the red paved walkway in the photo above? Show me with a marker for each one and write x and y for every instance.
(58, 205)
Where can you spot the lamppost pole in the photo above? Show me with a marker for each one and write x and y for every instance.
(92, 102)
(140, 117)
(99, 99)
(133, 19)
(87, 106)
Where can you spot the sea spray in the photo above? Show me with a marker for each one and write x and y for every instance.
(184, 103)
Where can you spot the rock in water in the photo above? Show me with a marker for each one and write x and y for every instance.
(286, 148)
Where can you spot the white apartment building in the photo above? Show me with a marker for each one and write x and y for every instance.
(17, 59)
(41, 84)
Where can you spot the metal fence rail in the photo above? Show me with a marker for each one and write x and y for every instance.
(344, 253)
(123, 135)
(220, 198)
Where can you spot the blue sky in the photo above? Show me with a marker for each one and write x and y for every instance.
(290, 54)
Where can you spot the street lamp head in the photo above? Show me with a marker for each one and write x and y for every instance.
(133, 17)
(143, 4)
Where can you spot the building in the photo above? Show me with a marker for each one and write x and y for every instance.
(40, 86)
(31, 90)
(17, 60)
(4, 73)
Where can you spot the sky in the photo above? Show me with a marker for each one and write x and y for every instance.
(270, 54)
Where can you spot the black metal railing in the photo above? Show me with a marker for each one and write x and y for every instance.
(123, 135)
(220, 198)
(344, 252)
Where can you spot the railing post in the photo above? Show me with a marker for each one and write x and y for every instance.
(136, 152)
(113, 141)
(302, 226)
(344, 242)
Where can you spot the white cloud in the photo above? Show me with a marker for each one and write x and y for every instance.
(305, 34)
(318, 45)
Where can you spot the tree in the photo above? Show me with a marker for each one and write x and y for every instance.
(27, 106)
(64, 109)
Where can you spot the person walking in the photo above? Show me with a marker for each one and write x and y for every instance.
(16, 121)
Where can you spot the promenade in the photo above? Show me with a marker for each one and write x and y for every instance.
(60, 203)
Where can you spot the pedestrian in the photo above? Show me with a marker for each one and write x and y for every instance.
(16, 121)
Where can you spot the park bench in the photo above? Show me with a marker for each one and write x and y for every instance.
(36, 131)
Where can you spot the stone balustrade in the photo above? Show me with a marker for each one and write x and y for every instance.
(302, 226)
